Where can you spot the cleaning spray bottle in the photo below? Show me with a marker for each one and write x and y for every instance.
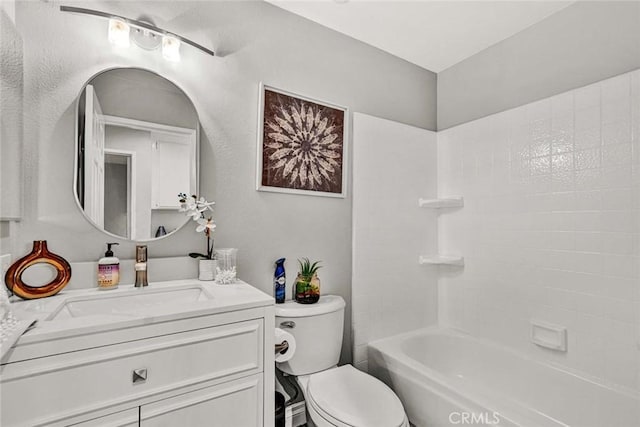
(279, 281)
(108, 270)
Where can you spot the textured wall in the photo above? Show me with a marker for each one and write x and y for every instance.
(582, 44)
(393, 166)
(11, 98)
(255, 42)
(550, 229)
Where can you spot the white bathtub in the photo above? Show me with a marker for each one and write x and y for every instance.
(446, 378)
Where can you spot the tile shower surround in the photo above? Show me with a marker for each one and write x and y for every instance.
(394, 165)
(550, 229)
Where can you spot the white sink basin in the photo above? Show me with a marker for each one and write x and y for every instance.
(131, 303)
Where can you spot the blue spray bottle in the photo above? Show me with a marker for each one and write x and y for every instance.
(279, 281)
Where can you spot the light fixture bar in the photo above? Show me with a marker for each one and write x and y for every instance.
(135, 23)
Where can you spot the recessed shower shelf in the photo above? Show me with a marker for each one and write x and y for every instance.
(441, 260)
(445, 202)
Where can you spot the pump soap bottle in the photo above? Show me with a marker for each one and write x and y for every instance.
(108, 270)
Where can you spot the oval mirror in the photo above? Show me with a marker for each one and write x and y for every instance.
(137, 148)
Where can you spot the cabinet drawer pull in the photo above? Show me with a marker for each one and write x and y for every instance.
(288, 324)
(139, 375)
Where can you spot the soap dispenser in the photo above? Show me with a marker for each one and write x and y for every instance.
(108, 270)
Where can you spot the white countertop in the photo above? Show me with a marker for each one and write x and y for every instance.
(224, 298)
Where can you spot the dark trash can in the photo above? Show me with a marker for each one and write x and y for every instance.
(280, 421)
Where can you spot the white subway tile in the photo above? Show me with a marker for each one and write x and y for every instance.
(616, 88)
(616, 112)
(616, 133)
(587, 138)
(616, 177)
(550, 227)
(539, 110)
(619, 266)
(586, 220)
(562, 142)
(588, 159)
(617, 199)
(589, 283)
(589, 353)
(588, 118)
(588, 241)
(618, 221)
(588, 96)
(562, 104)
(561, 240)
(616, 155)
(562, 162)
(620, 287)
(589, 200)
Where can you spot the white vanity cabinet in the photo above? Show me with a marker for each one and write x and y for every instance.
(236, 403)
(202, 370)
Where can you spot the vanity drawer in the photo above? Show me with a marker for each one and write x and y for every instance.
(67, 385)
(236, 403)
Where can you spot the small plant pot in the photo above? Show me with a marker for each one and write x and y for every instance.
(207, 269)
(307, 289)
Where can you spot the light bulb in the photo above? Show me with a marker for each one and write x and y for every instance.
(118, 33)
(171, 48)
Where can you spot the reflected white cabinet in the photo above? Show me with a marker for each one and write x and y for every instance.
(173, 168)
(183, 372)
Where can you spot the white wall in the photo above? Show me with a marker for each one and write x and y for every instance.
(393, 166)
(255, 42)
(550, 229)
(144, 96)
(584, 43)
(138, 141)
(115, 199)
(11, 100)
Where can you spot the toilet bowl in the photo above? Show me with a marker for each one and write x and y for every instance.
(347, 397)
(334, 396)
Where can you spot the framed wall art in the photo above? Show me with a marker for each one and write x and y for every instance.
(302, 144)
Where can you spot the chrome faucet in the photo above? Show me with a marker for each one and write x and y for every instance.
(141, 266)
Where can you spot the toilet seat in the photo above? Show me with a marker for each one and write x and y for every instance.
(347, 397)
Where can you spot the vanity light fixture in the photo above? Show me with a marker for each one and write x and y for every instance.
(144, 34)
(118, 32)
(171, 48)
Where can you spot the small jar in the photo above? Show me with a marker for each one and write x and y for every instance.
(307, 289)
(226, 270)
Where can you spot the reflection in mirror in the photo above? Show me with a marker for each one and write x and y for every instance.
(137, 148)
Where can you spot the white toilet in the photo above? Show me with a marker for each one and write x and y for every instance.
(335, 396)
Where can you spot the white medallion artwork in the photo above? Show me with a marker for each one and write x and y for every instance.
(302, 145)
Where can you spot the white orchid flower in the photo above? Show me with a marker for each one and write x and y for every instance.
(187, 206)
(204, 224)
(194, 208)
(204, 206)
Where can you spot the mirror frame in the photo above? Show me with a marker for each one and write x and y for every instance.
(77, 142)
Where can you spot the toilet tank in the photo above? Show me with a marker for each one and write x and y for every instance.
(317, 329)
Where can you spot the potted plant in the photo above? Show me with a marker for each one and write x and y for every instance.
(307, 284)
(196, 207)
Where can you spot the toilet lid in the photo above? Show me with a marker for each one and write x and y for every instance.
(355, 398)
